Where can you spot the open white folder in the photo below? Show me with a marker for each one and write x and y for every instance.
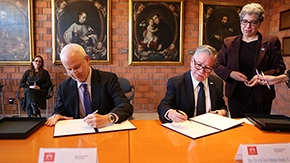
(78, 126)
(203, 125)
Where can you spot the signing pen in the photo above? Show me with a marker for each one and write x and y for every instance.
(257, 74)
(266, 80)
(179, 112)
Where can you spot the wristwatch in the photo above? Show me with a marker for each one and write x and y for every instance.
(112, 118)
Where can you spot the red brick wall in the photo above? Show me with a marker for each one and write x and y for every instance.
(149, 81)
(282, 102)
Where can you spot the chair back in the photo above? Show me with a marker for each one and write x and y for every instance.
(127, 87)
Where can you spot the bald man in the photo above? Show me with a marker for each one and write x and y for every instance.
(108, 101)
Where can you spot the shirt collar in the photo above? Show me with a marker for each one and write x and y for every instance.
(88, 81)
(195, 82)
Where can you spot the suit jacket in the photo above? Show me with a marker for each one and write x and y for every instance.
(107, 96)
(180, 95)
(268, 59)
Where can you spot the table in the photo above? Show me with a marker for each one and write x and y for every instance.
(149, 143)
(153, 143)
(111, 146)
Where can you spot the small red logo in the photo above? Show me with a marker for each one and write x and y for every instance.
(49, 157)
(252, 150)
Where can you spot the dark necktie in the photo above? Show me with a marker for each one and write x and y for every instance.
(87, 101)
(200, 100)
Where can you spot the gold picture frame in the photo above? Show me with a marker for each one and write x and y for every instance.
(16, 32)
(86, 23)
(286, 46)
(156, 32)
(284, 20)
(218, 20)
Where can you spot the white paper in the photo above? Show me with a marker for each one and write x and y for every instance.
(78, 126)
(217, 121)
(125, 125)
(72, 127)
(191, 129)
(71, 155)
(264, 153)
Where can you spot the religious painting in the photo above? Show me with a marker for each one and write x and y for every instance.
(156, 29)
(16, 32)
(84, 22)
(217, 21)
(284, 20)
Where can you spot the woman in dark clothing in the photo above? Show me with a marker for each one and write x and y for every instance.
(239, 59)
(37, 81)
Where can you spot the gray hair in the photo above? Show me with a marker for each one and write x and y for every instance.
(253, 8)
(206, 49)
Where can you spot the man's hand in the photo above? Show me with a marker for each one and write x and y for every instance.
(175, 116)
(97, 120)
(51, 121)
(219, 112)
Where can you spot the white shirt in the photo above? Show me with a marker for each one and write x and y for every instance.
(206, 91)
(81, 94)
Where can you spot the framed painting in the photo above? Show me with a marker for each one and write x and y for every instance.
(284, 20)
(217, 21)
(156, 30)
(84, 22)
(16, 32)
(286, 46)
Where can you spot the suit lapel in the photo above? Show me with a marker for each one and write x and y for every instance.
(212, 89)
(234, 50)
(95, 90)
(262, 46)
(189, 89)
(75, 99)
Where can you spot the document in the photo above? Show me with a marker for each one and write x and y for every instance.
(78, 126)
(203, 125)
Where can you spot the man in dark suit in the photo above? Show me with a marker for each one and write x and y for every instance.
(107, 101)
(181, 98)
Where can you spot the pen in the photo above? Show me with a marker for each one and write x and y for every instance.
(266, 80)
(179, 112)
(257, 74)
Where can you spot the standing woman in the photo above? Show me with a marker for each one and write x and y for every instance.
(238, 60)
(37, 81)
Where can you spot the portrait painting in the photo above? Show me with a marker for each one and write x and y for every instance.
(156, 32)
(16, 32)
(217, 21)
(84, 22)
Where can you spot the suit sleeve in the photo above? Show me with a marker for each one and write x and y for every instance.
(277, 65)
(167, 102)
(122, 108)
(222, 58)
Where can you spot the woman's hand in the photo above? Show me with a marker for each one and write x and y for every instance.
(253, 82)
(238, 76)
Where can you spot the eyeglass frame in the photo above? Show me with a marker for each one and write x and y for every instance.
(252, 22)
(70, 72)
(205, 68)
(38, 61)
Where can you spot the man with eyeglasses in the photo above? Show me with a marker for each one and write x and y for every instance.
(184, 92)
(91, 94)
(244, 56)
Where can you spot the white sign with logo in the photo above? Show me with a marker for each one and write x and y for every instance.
(71, 155)
(264, 153)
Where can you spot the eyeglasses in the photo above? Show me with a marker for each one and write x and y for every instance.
(198, 66)
(78, 69)
(253, 23)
